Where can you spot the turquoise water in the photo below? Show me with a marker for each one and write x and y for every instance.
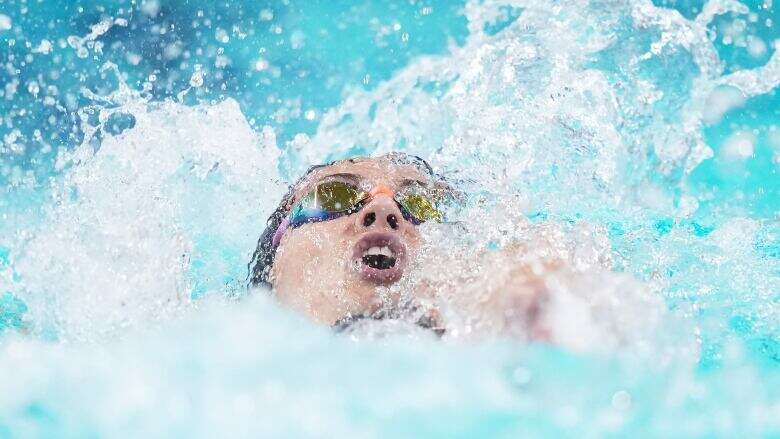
(145, 143)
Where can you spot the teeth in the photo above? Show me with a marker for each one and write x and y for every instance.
(384, 250)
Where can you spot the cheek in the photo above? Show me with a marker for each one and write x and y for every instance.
(413, 241)
(312, 253)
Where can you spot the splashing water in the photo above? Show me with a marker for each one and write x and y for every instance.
(121, 257)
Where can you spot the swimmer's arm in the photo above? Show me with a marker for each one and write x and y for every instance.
(549, 301)
(491, 293)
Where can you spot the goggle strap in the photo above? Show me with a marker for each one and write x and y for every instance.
(277, 238)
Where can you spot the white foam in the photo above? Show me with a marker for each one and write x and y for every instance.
(123, 229)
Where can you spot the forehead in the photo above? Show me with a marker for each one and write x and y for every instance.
(378, 169)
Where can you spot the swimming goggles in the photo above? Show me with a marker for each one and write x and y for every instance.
(333, 199)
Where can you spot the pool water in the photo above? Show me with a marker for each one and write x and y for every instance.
(145, 143)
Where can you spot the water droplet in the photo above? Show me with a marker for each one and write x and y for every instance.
(44, 47)
(621, 400)
(266, 15)
(222, 36)
(5, 22)
(261, 65)
(739, 145)
(756, 46)
(33, 88)
(196, 80)
(150, 8)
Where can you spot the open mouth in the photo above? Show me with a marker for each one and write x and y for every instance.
(379, 257)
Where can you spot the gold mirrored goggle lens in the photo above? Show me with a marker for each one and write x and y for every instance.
(336, 196)
(421, 207)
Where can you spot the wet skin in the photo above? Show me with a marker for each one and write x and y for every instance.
(318, 269)
(320, 273)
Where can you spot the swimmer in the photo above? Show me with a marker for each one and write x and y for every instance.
(345, 245)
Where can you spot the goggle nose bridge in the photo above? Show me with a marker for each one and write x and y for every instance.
(381, 189)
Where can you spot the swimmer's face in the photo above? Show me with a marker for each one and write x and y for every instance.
(338, 267)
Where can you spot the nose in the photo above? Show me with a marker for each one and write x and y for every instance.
(381, 212)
